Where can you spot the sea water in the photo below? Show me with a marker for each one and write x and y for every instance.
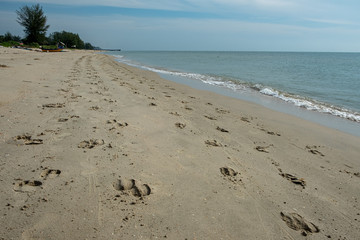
(326, 83)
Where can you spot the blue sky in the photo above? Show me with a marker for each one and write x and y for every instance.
(225, 25)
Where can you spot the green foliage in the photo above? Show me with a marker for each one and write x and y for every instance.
(34, 21)
(71, 40)
(49, 47)
(9, 44)
(33, 45)
(88, 46)
(9, 37)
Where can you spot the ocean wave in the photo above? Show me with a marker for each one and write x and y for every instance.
(236, 85)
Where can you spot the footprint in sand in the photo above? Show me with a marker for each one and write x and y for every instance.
(262, 149)
(53, 105)
(313, 150)
(180, 125)
(210, 117)
(222, 129)
(91, 143)
(26, 185)
(175, 114)
(63, 119)
(226, 171)
(230, 174)
(130, 185)
(298, 223)
(49, 173)
(27, 139)
(213, 143)
(222, 111)
(116, 124)
(293, 179)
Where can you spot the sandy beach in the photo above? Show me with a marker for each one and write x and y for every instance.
(94, 149)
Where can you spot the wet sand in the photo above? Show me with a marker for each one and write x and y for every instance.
(91, 148)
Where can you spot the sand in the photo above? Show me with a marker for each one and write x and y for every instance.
(94, 149)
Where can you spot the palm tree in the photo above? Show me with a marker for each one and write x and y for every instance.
(34, 21)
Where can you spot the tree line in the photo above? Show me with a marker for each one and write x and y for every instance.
(34, 20)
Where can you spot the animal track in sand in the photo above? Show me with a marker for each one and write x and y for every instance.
(53, 105)
(27, 139)
(91, 143)
(213, 143)
(130, 185)
(49, 173)
(313, 150)
(26, 185)
(298, 223)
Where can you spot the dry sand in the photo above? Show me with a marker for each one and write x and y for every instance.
(94, 149)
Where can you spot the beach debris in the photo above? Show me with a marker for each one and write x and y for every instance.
(152, 104)
(293, 179)
(222, 129)
(298, 223)
(53, 105)
(91, 143)
(314, 150)
(180, 125)
(130, 185)
(213, 143)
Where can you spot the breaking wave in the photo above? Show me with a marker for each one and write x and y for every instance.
(237, 85)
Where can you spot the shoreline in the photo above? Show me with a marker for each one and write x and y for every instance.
(92, 148)
(319, 112)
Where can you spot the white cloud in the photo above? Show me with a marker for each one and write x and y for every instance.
(331, 21)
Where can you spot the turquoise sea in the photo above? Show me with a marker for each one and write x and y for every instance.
(327, 83)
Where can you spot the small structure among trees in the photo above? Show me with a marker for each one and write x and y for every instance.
(72, 40)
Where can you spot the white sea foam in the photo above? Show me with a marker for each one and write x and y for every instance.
(308, 104)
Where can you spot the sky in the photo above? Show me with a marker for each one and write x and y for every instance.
(201, 25)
